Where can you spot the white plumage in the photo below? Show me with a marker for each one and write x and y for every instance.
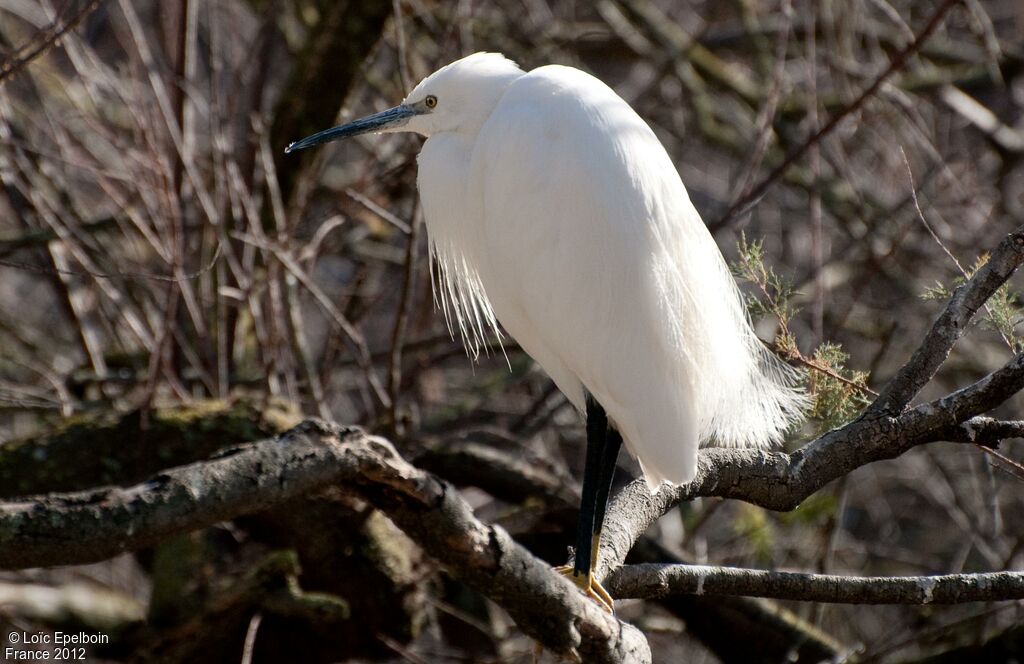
(553, 209)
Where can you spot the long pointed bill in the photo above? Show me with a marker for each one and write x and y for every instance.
(393, 118)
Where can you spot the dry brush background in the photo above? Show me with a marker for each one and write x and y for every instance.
(172, 285)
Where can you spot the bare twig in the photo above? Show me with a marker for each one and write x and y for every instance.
(1015, 468)
(175, 278)
(250, 637)
(355, 338)
(937, 239)
(951, 325)
(402, 313)
(897, 63)
(46, 39)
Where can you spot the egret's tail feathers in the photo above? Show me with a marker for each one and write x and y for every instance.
(755, 410)
(655, 478)
(745, 395)
(661, 432)
(764, 408)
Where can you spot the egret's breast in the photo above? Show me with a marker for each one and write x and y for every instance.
(443, 172)
(452, 212)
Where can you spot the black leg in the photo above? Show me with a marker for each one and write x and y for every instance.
(597, 432)
(609, 456)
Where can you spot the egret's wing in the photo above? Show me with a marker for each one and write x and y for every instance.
(570, 185)
(595, 260)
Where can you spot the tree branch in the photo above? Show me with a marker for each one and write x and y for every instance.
(780, 481)
(951, 325)
(759, 629)
(984, 431)
(45, 39)
(648, 581)
(89, 526)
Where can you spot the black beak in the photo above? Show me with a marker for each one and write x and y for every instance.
(389, 119)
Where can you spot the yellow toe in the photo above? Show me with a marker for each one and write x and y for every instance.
(590, 587)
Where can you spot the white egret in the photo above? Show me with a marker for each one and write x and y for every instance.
(552, 208)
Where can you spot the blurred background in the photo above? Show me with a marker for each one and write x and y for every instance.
(171, 283)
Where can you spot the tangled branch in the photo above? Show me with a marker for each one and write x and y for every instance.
(71, 528)
(64, 529)
(898, 62)
(887, 429)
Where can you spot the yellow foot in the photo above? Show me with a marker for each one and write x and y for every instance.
(590, 587)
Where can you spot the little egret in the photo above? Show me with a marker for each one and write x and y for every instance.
(552, 208)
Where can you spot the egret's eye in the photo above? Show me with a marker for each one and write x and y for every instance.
(430, 101)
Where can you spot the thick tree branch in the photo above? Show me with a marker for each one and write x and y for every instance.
(648, 581)
(90, 451)
(759, 630)
(984, 431)
(82, 527)
(90, 526)
(781, 481)
(87, 526)
(978, 397)
(467, 462)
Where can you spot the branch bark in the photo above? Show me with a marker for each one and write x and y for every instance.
(951, 325)
(780, 481)
(648, 581)
(759, 630)
(90, 526)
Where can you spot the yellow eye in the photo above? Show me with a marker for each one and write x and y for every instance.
(430, 101)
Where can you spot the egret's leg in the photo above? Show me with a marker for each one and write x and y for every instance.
(587, 524)
(603, 445)
(609, 457)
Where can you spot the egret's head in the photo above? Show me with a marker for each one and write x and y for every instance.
(457, 97)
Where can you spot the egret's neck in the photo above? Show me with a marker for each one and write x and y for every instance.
(442, 180)
(452, 210)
